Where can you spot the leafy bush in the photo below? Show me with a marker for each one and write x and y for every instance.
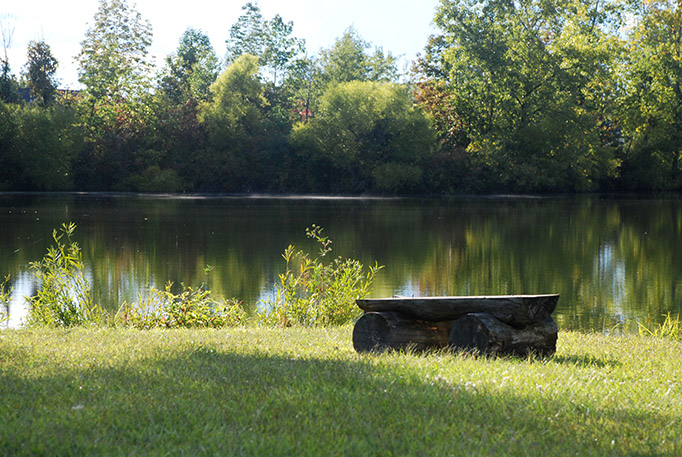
(361, 127)
(63, 298)
(317, 293)
(192, 307)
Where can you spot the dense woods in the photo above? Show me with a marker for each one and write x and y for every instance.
(507, 96)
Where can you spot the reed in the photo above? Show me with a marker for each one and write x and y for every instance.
(670, 328)
(5, 296)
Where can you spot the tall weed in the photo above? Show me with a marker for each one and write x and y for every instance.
(192, 307)
(63, 298)
(670, 328)
(314, 293)
(5, 296)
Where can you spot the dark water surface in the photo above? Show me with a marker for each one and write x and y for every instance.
(615, 261)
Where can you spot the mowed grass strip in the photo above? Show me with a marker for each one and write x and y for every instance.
(255, 391)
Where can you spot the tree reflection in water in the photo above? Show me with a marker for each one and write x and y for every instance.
(613, 260)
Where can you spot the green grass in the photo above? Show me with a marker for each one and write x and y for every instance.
(298, 392)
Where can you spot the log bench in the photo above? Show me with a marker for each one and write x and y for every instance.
(490, 325)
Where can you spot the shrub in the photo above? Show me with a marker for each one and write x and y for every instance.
(63, 298)
(192, 307)
(317, 293)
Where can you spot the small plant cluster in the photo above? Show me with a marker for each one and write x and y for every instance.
(63, 298)
(670, 328)
(5, 296)
(311, 292)
(192, 307)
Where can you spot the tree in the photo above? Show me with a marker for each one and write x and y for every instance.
(237, 97)
(9, 130)
(234, 120)
(8, 85)
(114, 61)
(247, 35)
(115, 108)
(48, 142)
(651, 103)
(42, 143)
(191, 69)
(366, 136)
(282, 50)
(41, 67)
(347, 60)
(270, 41)
(526, 88)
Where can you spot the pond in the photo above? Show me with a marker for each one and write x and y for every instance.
(615, 261)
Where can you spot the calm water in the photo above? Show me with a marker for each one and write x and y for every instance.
(614, 261)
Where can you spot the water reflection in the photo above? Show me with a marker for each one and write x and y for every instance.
(614, 261)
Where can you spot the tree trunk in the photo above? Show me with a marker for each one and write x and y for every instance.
(482, 333)
(381, 331)
(516, 310)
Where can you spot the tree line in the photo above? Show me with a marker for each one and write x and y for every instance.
(508, 96)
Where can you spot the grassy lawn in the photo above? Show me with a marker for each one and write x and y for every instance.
(261, 392)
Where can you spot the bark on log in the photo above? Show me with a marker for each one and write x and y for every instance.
(379, 332)
(515, 310)
(487, 335)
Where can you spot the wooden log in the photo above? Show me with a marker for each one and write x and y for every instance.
(482, 333)
(515, 310)
(382, 331)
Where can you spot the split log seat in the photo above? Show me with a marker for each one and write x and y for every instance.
(490, 325)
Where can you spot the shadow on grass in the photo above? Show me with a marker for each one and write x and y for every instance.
(208, 402)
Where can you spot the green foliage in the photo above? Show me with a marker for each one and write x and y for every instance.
(63, 298)
(155, 179)
(9, 129)
(40, 72)
(348, 60)
(46, 144)
(8, 83)
(312, 292)
(366, 131)
(191, 69)
(116, 131)
(191, 308)
(5, 295)
(115, 109)
(269, 40)
(670, 328)
(651, 102)
(237, 97)
(235, 127)
(524, 97)
(114, 61)
(247, 35)
(527, 90)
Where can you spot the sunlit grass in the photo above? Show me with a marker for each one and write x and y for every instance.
(255, 391)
